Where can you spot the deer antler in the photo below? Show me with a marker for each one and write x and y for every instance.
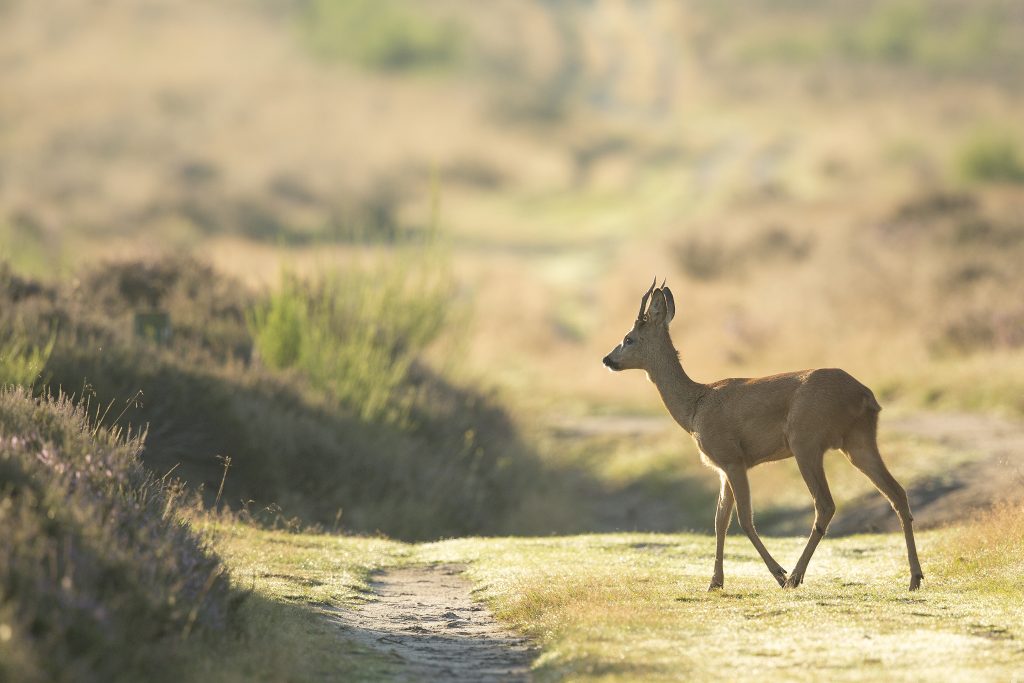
(643, 302)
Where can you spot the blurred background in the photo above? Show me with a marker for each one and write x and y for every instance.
(374, 250)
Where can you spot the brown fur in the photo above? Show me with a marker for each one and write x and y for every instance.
(740, 423)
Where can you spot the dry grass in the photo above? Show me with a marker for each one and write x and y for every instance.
(811, 182)
(634, 606)
(578, 153)
(990, 547)
(628, 606)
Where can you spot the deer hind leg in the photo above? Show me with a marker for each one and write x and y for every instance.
(810, 460)
(737, 476)
(723, 516)
(862, 450)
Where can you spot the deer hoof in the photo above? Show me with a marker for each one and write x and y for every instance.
(915, 581)
(794, 581)
(780, 576)
(716, 585)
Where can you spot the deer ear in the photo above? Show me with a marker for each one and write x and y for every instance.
(671, 304)
(659, 310)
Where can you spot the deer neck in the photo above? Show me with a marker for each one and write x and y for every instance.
(679, 393)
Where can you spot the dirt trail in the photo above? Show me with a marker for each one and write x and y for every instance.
(424, 619)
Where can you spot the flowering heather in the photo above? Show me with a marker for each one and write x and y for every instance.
(100, 579)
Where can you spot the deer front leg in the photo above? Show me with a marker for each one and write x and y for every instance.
(723, 516)
(737, 476)
(812, 468)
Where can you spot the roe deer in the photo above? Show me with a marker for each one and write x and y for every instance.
(739, 423)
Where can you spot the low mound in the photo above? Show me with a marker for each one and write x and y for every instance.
(453, 464)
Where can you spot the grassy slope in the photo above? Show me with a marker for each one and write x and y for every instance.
(99, 579)
(103, 578)
(300, 438)
(631, 606)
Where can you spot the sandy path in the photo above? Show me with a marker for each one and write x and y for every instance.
(425, 620)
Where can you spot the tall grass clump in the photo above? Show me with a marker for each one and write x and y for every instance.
(392, 35)
(355, 334)
(21, 360)
(991, 156)
(989, 548)
(100, 580)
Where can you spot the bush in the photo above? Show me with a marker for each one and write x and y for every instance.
(99, 578)
(991, 156)
(711, 258)
(384, 34)
(207, 311)
(342, 414)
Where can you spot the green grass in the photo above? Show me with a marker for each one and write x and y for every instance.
(356, 334)
(948, 40)
(991, 155)
(22, 361)
(980, 382)
(390, 35)
(293, 578)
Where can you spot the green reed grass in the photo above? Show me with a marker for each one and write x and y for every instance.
(356, 333)
(21, 360)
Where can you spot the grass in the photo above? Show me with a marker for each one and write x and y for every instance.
(944, 41)
(981, 382)
(991, 156)
(752, 171)
(21, 361)
(623, 607)
(361, 429)
(356, 334)
(393, 35)
(634, 606)
(292, 579)
(108, 573)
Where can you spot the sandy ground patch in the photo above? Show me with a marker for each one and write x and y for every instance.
(425, 619)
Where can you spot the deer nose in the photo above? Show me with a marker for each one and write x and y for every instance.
(607, 360)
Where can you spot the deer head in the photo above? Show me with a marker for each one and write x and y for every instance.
(636, 351)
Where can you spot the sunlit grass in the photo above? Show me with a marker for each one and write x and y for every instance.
(635, 606)
(624, 607)
(292, 579)
(356, 333)
(21, 361)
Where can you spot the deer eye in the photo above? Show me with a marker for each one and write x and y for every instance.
(627, 341)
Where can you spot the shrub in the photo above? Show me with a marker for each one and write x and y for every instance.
(384, 34)
(422, 458)
(711, 258)
(207, 310)
(991, 156)
(99, 578)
